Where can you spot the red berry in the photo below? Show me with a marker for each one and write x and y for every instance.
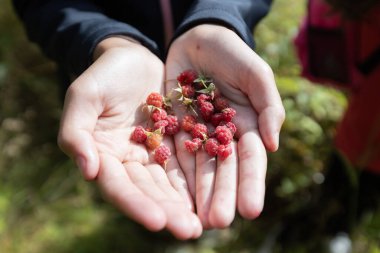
(216, 119)
(162, 154)
(206, 110)
(139, 135)
(188, 123)
(232, 127)
(173, 125)
(161, 125)
(220, 104)
(223, 135)
(224, 151)
(228, 114)
(203, 98)
(211, 147)
(187, 77)
(188, 91)
(154, 99)
(194, 145)
(158, 114)
(153, 140)
(199, 131)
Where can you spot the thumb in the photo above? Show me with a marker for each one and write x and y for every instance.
(263, 94)
(270, 122)
(78, 121)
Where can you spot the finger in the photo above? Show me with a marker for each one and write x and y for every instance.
(264, 96)
(118, 188)
(186, 161)
(270, 123)
(205, 178)
(176, 176)
(223, 204)
(160, 178)
(179, 221)
(78, 121)
(179, 182)
(252, 170)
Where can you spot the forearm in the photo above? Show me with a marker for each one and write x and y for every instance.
(113, 42)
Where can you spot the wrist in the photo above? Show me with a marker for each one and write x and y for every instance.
(117, 41)
(204, 31)
(204, 34)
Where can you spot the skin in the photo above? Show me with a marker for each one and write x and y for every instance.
(248, 83)
(103, 105)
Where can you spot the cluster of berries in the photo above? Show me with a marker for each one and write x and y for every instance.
(210, 124)
(209, 121)
(163, 124)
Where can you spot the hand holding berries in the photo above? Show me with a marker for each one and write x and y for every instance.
(249, 88)
(102, 109)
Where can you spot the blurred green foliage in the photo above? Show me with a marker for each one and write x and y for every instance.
(45, 206)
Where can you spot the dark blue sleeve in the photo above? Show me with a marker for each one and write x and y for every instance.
(68, 30)
(239, 15)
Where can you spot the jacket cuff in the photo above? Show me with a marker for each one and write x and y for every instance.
(218, 16)
(93, 33)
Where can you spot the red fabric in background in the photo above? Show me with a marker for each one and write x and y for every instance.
(358, 135)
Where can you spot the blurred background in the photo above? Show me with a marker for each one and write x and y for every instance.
(45, 206)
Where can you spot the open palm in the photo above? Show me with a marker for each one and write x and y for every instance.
(246, 80)
(102, 108)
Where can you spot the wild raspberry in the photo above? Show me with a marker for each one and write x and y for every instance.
(162, 154)
(220, 104)
(228, 114)
(139, 135)
(187, 77)
(188, 91)
(216, 119)
(158, 114)
(224, 151)
(161, 125)
(194, 145)
(206, 110)
(199, 131)
(188, 122)
(203, 98)
(211, 147)
(154, 99)
(231, 126)
(173, 125)
(153, 140)
(223, 135)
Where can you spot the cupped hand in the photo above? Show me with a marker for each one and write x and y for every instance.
(248, 83)
(102, 108)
